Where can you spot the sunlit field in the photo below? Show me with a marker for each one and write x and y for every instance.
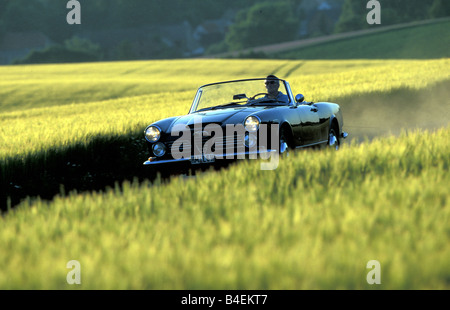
(55, 105)
(313, 223)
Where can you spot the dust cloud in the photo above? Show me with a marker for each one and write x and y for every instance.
(371, 115)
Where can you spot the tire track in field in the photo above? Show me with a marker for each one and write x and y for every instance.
(277, 70)
(293, 69)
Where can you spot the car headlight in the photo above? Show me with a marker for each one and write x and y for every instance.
(152, 134)
(252, 123)
(159, 149)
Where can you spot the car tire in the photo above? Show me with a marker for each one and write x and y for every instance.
(333, 138)
(283, 148)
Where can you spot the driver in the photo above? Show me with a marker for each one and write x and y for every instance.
(272, 84)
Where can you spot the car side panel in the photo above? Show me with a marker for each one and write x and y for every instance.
(310, 123)
(326, 111)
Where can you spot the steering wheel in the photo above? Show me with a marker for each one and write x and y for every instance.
(260, 94)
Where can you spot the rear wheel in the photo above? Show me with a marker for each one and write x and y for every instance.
(333, 138)
(284, 141)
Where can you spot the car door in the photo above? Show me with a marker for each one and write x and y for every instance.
(309, 130)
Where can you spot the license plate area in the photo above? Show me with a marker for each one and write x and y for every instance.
(202, 159)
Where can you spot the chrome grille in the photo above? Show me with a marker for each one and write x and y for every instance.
(230, 144)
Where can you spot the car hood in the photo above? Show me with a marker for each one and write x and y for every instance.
(220, 116)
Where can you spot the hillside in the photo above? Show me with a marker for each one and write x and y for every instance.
(416, 40)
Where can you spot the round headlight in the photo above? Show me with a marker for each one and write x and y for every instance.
(152, 134)
(159, 149)
(252, 123)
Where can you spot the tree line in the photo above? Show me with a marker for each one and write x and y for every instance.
(256, 22)
(49, 16)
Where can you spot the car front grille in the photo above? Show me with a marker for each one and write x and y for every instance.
(231, 144)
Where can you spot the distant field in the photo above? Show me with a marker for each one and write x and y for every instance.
(418, 42)
(68, 104)
(314, 222)
(35, 86)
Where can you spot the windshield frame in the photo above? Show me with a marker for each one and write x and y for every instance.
(198, 95)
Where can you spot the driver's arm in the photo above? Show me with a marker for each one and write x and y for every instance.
(283, 98)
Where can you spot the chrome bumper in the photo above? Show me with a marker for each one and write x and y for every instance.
(155, 161)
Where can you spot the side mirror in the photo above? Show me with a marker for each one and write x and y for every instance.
(299, 98)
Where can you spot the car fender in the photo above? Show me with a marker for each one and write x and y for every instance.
(337, 117)
(271, 117)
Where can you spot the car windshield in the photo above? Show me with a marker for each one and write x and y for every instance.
(239, 93)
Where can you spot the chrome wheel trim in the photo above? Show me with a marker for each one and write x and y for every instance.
(333, 140)
(284, 147)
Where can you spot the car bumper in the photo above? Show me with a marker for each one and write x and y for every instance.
(232, 156)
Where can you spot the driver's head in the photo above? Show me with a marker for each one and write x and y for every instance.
(272, 83)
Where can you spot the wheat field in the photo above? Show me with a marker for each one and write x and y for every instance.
(313, 223)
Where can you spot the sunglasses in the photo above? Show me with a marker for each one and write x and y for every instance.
(271, 82)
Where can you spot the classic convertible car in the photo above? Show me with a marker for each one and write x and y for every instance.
(244, 119)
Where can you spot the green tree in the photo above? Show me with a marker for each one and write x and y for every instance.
(126, 50)
(2, 23)
(23, 15)
(439, 8)
(2, 30)
(353, 16)
(82, 45)
(264, 23)
(56, 27)
(56, 54)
